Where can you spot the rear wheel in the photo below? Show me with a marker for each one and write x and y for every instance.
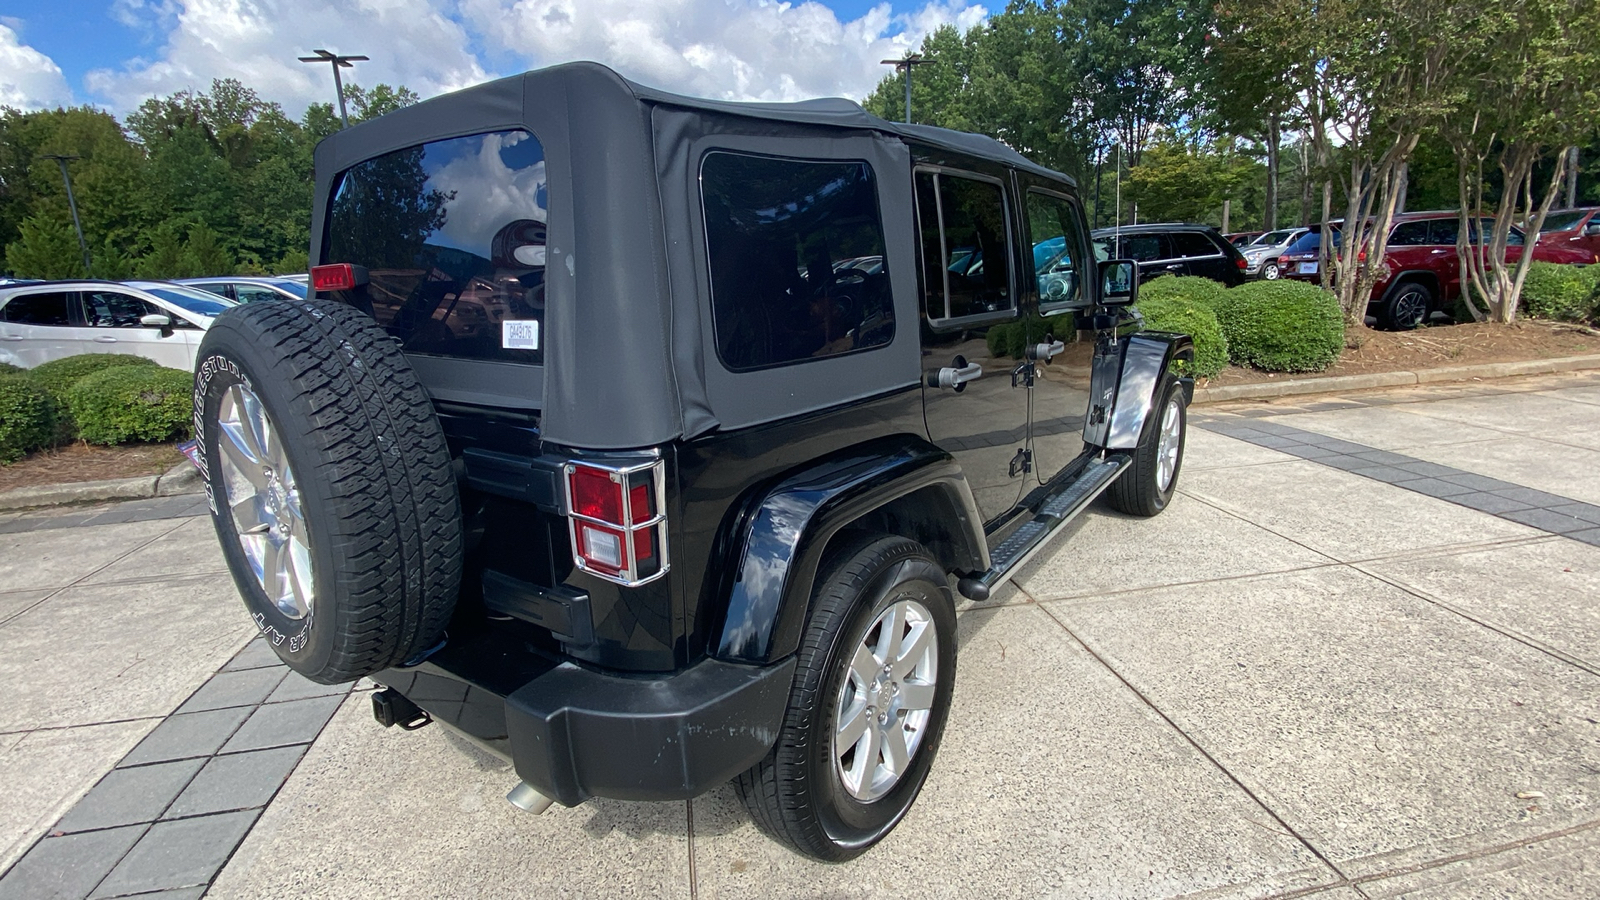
(330, 486)
(868, 705)
(1146, 486)
(1407, 308)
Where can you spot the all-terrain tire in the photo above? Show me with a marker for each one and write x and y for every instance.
(372, 491)
(796, 794)
(1145, 488)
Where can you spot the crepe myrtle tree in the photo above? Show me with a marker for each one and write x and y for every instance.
(1528, 91)
(1363, 80)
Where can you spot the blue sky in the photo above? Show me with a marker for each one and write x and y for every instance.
(114, 53)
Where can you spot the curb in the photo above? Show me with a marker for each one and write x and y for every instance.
(182, 478)
(1339, 383)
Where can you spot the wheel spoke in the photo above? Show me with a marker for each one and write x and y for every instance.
(235, 446)
(865, 666)
(895, 755)
(894, 624)
(272, 569)
(247, 518)
(916, 695)
(914, 647)
(850, 731)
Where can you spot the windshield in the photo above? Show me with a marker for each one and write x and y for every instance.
(1562, 221)
(1272, 238)
(187, 299)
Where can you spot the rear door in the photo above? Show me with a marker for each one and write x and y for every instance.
(1203, 258)
(972, 409)
(37, 326)
(1153, 252)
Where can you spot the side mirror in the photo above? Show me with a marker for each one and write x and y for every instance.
(1593, 228)
(156, 320)
(1119, 282)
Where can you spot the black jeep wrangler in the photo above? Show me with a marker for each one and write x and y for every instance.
(644, 439)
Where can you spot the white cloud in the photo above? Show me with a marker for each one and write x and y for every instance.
(411, 42)
(28, 78)
(724, 49)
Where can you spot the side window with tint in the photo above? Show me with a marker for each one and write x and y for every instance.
(452, 234)
(109, 309)
(796, 255)
(39, 309)
(1188, 244)
(1409, 234)
(1145, 247)
(965, 252)
(1444, 231)
(1057, 241)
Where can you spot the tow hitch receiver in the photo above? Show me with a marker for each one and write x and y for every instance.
(391, 708)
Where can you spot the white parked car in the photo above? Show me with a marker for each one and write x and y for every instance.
(1261, 255)
(249, 289)
(53, 319)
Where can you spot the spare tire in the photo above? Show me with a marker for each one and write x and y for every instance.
(330, 486)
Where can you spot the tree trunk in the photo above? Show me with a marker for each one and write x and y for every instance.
(1274, 143)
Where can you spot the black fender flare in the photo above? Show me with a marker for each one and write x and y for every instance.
(1147, 358)
(785, 529)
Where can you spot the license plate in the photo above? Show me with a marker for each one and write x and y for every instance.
(1309, 268)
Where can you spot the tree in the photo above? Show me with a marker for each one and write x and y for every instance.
(46, 247)
(1179, 183)
(1528, 90)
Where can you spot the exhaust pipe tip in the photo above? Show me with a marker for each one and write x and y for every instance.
(528, 799)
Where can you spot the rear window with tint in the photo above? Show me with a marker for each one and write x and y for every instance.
(452, 234)
(39, 309)
(1193, 243)
(796, 253)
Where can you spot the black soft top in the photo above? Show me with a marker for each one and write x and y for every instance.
(628, 361)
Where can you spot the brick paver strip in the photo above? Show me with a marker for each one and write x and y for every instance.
(1547, 512)
(173, 810)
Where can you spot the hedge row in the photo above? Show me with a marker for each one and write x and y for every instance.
(1567, 293)
(102, 398)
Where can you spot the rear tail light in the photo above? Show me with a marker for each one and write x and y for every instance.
(337, 277)
(617, 520)
(1242, 263)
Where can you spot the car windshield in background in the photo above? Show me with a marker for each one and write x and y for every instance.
(1562, 221)
(1272, 237)
(188, 299)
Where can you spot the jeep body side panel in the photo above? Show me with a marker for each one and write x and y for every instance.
(1147, 357)
(786, 531)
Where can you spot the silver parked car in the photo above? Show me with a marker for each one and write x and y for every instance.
(49, 320)
(248, 289)
(1261, 255)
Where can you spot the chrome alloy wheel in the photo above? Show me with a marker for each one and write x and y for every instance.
(1410, 309)
(885, 702)
(1167, 445)
(265, 503)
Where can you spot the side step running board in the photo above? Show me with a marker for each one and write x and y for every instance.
(1056, 510)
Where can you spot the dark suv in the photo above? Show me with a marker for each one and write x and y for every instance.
(1174, 249)
(645, 439)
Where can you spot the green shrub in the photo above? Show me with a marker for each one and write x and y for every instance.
(27, 418)
(1174, 313)
(59, 375)
(1283, 326)
(9, 369)
(133, 403)
(1202, 291)
(1556, 291)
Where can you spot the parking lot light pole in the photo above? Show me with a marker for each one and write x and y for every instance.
(72, 203)
(904, 64)
(338, 62)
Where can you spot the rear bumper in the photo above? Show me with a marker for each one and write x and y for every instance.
(573, 733)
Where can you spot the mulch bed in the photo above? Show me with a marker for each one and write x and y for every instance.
(1436, 347)
(86, 462)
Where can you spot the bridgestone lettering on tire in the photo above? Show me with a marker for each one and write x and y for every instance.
(352, 478)
(831, 788)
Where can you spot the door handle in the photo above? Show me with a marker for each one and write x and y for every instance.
(1175, 267)
(104, 339)
(1437, 252)
(956, 375)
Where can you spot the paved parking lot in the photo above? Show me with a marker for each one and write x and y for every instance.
(1358, 657)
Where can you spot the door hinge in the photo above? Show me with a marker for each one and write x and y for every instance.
(1022, 462)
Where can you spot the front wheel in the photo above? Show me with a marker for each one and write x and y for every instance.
(1270, 272)
(1146, 486)
(868, 705)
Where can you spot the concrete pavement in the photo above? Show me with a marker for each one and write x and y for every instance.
(1322, 672)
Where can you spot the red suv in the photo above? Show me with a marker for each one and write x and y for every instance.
(1424, 273)
(1575, 228)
